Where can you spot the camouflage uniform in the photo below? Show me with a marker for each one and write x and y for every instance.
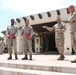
(72, 21)
(59, 36)
(27, 42)
(1, 47)
(12, 42)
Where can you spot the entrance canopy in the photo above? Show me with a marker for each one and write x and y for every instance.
(38, 27)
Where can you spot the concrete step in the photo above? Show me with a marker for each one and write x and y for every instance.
(41, 63)
(14, 71)
(52, 68)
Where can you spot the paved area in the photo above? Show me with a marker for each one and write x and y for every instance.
(48, 60)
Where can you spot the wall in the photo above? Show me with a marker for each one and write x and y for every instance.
(20, 48)
(67, 44)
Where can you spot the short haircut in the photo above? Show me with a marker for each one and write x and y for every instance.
(12, 20)
(27, 20)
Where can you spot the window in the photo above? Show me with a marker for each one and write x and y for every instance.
(18, 20)
(67, 11)
(24, 18)
(49, 14)
(32, 17)
(58, 12)
(40, 16)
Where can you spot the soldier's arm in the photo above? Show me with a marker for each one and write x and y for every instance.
(49, 28)
(72, 18)
(71, 30)
(63, 29)
(7, 32)
(31, 32)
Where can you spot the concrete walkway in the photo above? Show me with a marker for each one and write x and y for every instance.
(41, 59)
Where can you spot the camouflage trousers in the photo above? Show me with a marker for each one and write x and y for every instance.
(27, 46)
(12, 45)
(73, 38)
(60, 45)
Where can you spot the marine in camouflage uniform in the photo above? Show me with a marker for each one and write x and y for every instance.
(26, 34)
(11, 41)
(59, 29)
(72, 21)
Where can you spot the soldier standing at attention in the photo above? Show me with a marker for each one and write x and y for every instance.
(72, 21)
(12, 34)
(59, 29)
(2, 46)
(26, 34)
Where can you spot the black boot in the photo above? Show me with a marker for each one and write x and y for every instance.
(25, 58)
(10, 57)
(16, 56)
(61, 57)
(30, 57)
(73, 61)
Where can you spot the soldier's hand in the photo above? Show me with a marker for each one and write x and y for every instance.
(71, 32)
(7, 36)
(56, 30)
(30, 38)
(14, 37)
(21, 38)
(44, 26)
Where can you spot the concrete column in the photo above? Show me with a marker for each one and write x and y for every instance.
(20, 47)
(19, 43)
(67, 44)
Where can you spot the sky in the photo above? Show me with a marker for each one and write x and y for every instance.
(18, 8)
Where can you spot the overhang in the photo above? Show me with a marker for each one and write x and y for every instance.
(38, 27)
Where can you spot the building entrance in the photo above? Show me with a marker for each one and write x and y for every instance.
(49, 43)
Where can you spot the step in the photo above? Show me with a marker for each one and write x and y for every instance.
(52, 68)
(13, 71)
(41, 62)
